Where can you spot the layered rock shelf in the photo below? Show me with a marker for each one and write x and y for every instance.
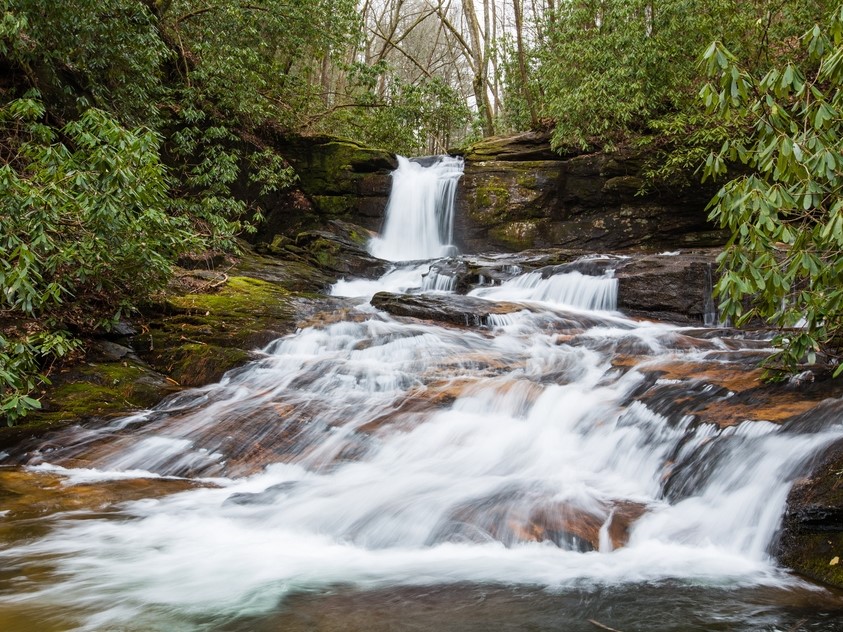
(517, 194)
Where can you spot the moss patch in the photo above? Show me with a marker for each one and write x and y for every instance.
(491, 202)
(812, 539)
(819, 557)
(516, 235)
(333, 167)
(92, 389)
(335, 205)
(201, 336)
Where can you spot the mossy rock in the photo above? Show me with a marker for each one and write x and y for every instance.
(524, 146)
(333, 166)
(335, 205)
(820, 557)
(812, 538)
(491, 202)
(289, 269)
(517, 235)
(623, 185)
(88, 390)
(198, 337)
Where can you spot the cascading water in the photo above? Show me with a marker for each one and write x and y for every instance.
(546, 468)
(419, 220)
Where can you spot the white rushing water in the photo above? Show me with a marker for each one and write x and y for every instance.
(379, 452)
(570, 290)
(418, 454)
(419, 220)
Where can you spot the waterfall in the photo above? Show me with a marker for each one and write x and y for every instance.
(419, 221)
(571, 289)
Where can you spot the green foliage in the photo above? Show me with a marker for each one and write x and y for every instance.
(84, 233)
(102, 53)
(516, 115)
(616, 70)
(21, 369)
(784, 262)
(85, 218)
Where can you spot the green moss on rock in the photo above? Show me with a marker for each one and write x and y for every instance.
(812, 538)
(491, 202)
(335, 205)
(819, 557)
(201, 336)
(91, 389)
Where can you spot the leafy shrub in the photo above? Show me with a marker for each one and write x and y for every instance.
(784, 262)
(85, 232)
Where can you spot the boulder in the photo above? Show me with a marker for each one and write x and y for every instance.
(675, 287)
(811, 542)
(456, 310)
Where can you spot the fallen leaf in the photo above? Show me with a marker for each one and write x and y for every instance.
(834, 561)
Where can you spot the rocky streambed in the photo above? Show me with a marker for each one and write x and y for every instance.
(217, 321)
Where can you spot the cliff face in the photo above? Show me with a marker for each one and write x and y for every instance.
(340, 179)
(516, 194)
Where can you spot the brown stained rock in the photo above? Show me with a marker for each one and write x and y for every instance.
(417, 402)
(549, 520)
(736, 378)
(776, 409)
(745, 396)
(26, 495)
(508, 519)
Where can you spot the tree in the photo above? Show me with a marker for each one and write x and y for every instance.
(784, 261)
(615, 71)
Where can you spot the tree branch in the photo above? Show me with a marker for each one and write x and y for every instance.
(198, 12)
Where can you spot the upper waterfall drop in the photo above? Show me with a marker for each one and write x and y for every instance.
(419, 222)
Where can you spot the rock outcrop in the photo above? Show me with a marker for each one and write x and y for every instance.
(341, 179)
(516, 194)
(675, 287)
(811, 541)
(453, 309)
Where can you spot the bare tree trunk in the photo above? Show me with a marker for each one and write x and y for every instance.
(325, 79)
(518, 9)
(481, 68)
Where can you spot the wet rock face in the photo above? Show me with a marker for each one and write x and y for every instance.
(811, 541)
(342, 179)
(517, 194)
(671, 287)
(455, 310)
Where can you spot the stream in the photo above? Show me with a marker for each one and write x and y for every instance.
(536, 469)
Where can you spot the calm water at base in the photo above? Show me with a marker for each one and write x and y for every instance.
(662, 607)
(652, 608)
